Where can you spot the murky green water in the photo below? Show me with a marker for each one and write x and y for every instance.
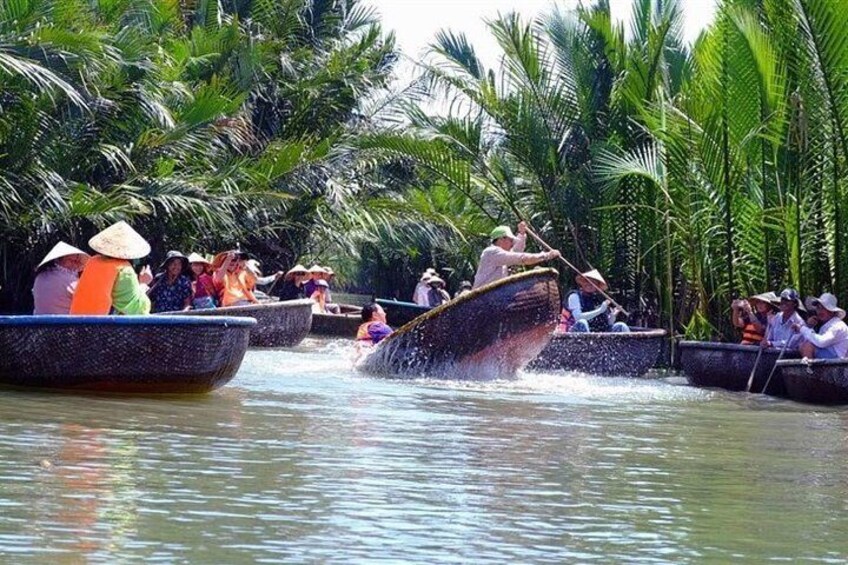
(301, 460)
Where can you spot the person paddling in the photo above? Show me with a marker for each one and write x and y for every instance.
(780, 332)
(56, 279)
(586, 308)
(506, 251)
(108, 282)
(831, 339)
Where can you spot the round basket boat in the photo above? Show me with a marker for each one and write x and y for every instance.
(278, 324)
(488, 333)
(401, 313)
(608, 354)
(815, 381)
(729, 366)
(345, 324)
(132, 354)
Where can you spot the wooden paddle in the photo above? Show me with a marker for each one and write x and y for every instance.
(547, 247)
(754, 370)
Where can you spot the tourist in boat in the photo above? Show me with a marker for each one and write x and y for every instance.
(203, 287)
(171, 289)
(422, 289)
(319, 297)
(374, 328)
(437, 295)
(752, 316)
(464, 288)
(830, 341)
(56, 279)
(232, 281)
(780, 332)
(316, 273)
(108, 283)
(327, 276)
(587, 310)
(292, 287)
(507, 250)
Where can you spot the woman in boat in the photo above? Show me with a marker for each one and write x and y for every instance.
(108, 283)
(507, 250)
(437, 294)
(587, 310)
(464, 288)
(56, 279)
(327, 276)
(319, 297)
(374, 328)
(752, 316)
(422, 289)
(203, 287)
(780, 332)
(315, 275)
(232, 282)
(292, 287)
(171, 289)
(830, 341)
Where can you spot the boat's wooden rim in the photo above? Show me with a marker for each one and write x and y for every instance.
(153, 320)
(468, 296)
(631, 335)
(812, 362)
(718, 346)
(389, 301)
(282, 304)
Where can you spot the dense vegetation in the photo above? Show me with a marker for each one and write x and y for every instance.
(205, 124)
(688, 174)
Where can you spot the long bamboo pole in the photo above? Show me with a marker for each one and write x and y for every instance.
(547, 247)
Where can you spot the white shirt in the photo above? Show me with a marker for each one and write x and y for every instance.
(495, 262)
(420, 295)
(779, 332)
(833, 336)
(577, 312)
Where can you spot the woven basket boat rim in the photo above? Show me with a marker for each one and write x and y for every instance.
(813, 363)
(144, 321)
(721, 346)
(612, 336)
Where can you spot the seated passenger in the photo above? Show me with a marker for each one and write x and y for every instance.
(232, 282)
(831, 339)
(319, 297)
(586, 308)
(56, 279)
(292, 285)
(464, 288)
(171, 289)
(373, 329)
(780, 332)
(328, 275)
(422, 290)
(754, 324)
(437, 295)
(203, 287)
(108, 283)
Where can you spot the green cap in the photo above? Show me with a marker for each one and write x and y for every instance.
(501, 231)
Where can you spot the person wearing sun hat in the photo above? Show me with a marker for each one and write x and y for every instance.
(292, 286)
(203, 287)
(422, 288)
(587, 310)
(780, 332)
(437, 294)
(171, 290)
(56, 279)
(232, 281)
(108, 283)
(753, 316)
(831, 339)
(507, 250)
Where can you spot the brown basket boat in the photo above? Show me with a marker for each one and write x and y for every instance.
(609, 354)
(345, 324)
(490, 333)
(124, 354)
(279, 324)
(815, 381)
(729, 366)
(401, 313)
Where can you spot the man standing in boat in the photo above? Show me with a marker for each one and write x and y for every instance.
(507, 250)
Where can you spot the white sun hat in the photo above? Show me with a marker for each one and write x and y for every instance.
(60, 250)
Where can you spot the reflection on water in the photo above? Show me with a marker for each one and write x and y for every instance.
(301, 459)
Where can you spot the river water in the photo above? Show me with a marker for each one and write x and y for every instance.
(302, 460)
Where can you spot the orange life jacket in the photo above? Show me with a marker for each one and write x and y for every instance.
(362, 333)
(235, 288)
(753, 335)
(93, 296)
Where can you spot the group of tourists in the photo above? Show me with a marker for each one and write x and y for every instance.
(815, 329)
(431, 290)
(71, 281)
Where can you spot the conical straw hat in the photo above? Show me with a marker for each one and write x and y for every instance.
(59, 250)
(198, 258)
(595, 276)
(120, 241)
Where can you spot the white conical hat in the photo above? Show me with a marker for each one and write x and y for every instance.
(61, 249)
(198, 258)
(121, 242)
(595, 276)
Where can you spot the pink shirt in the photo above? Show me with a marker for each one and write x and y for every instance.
(204, 287)
(53, 289)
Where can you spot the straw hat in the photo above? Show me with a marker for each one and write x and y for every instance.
(252, 265)
(317, 269)
(595, 276)
(120, 241)
(60, 250)
(174, 255)
(198, 258)
(435, 280)
(769, 298)
(828, 302)
(430, 271)
(296, 270)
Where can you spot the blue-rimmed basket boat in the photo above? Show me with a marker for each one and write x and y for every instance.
(729, 365)
(344, 324)
(401, 313)
(488, 333)
(815, 381)
(125, 354)
(607, 354)
(278, 324)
